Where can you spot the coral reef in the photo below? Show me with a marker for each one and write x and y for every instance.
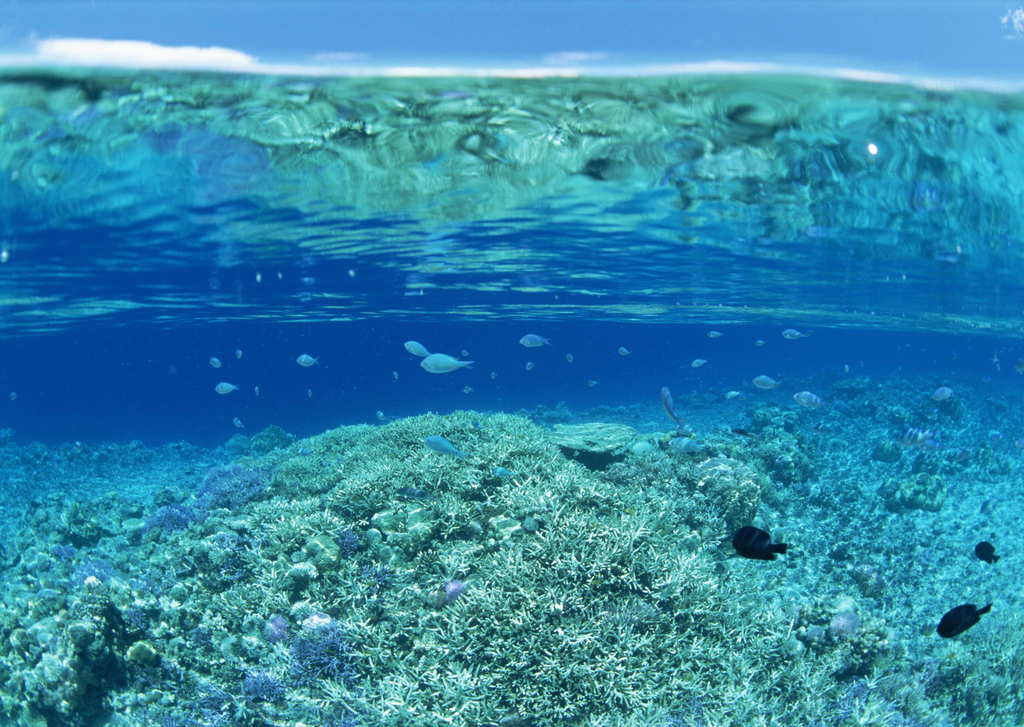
(921, 491)
(359, 577)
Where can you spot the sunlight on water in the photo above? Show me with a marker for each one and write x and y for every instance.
(660, 199)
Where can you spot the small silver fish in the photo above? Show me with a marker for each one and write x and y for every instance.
(808, 399)
(532, 340)
(416, 349)
(442, 363)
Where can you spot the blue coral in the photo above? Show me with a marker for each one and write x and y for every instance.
(261, 687)
(322, 653)
(171, 517)
(230, 487)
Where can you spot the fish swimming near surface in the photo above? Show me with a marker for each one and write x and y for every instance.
(667, 405)
(442, 363)
(751, 542)
(959, 619)
(532, 340)
(986, 551)
(416, 348)
(441, 445)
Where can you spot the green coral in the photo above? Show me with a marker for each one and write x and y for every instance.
(592, 597)
(595, 444)
(780, 445)
(922, 491)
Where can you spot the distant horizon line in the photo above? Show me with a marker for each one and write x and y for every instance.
(58, 54)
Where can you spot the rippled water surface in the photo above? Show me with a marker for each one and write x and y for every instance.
(181, 197)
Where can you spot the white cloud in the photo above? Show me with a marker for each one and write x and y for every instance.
(569, 57)
(139, 54)
(1014, 22)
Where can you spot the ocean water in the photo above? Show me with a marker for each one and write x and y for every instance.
(294, 552)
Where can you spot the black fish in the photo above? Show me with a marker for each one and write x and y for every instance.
(959, 619)
(742, 432)
(751, 542)
(986, 552)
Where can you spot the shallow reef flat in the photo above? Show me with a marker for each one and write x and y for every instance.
(572, 576)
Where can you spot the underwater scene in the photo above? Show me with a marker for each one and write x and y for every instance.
(688, 400)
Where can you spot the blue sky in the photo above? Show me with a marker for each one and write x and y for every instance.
(964, 38)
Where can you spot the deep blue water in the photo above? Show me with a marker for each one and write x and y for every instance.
(141, 382)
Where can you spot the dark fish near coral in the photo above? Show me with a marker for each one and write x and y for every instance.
(986, 552)
(959, 619)
(751, 542)
(742, 432)
(666, 403)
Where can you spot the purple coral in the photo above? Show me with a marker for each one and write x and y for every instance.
(453, 589)
(275, 629)
(230, 487)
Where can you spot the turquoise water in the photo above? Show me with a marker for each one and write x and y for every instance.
(226, 503)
